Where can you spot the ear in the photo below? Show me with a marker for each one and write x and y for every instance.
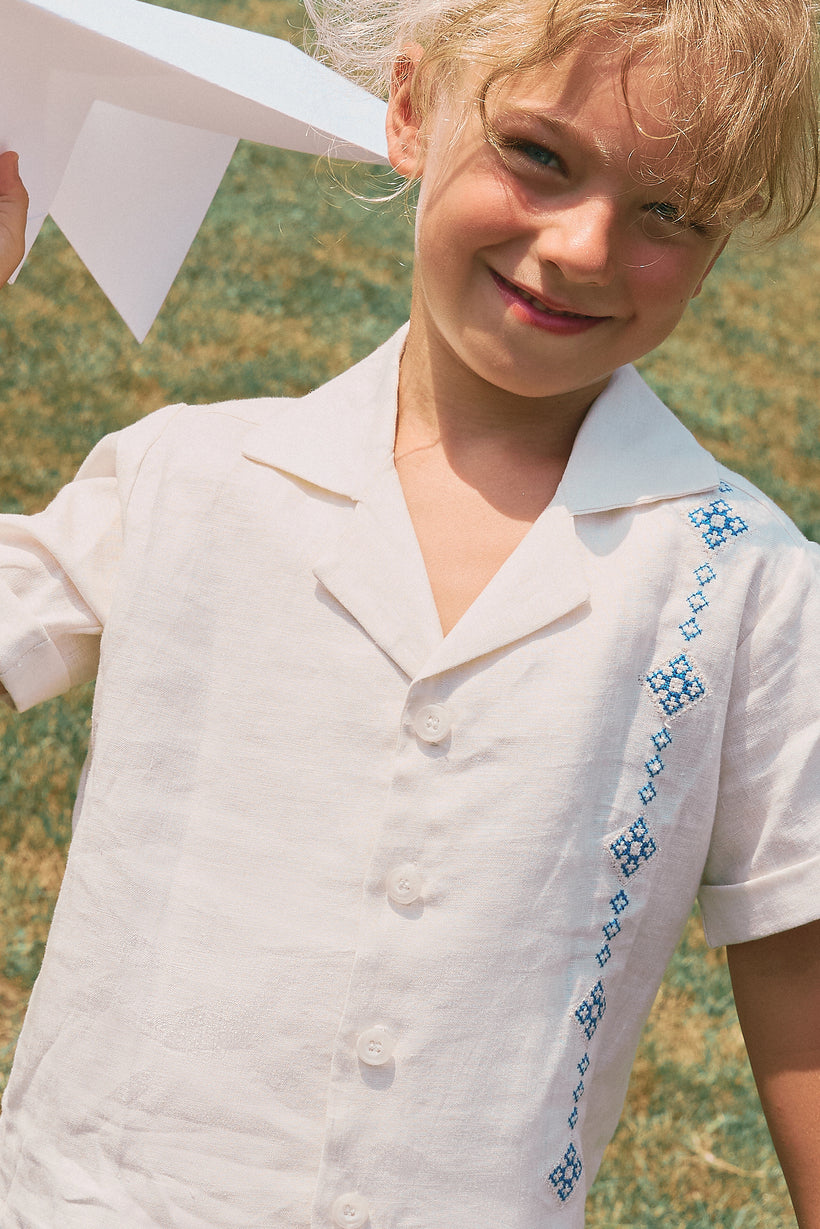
(710, 266)
(404, 144)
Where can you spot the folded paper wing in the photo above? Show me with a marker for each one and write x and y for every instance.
(126, 115)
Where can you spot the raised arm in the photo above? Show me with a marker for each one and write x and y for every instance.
(13, 206)
(776, 982)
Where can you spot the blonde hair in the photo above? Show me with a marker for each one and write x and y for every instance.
(740, 77)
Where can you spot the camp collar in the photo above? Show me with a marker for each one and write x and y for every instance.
(341, 435)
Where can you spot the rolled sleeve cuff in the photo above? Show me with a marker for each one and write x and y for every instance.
(768, 905)
(37, 674)
(31, 666)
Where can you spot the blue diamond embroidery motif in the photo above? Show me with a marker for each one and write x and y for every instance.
(705, 574)
(619, 901)
(647, 793)
(654, 766)
(590, 1013)
(578, 1091)
(573, 1118)
(690, 629)
(583, 1066)
(612, 929)
(697, 601)
(633, 848)
(675, 685)
(724, 486)
(603, 955)
(566, 1174)
(662, 739)
(717, 523)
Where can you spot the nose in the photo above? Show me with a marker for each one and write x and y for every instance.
(581, 240)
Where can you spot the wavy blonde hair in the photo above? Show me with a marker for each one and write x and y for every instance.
(740, 77)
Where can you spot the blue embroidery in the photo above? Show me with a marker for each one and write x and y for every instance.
(717, 523)
(566, 1174)
(612, 929)
(705, 574)
(578, 1091)
(647, 793)
(603, 955)
(690, 629)
(724, 486)
(697, 601)
(590, 1013)
(573, 1118)
(583, 1066)
(662, 739)
(633, 847)
(654, 766)
(619, 901)
(675, 685)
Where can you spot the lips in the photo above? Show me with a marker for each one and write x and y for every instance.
(542, 305)
(531, 310)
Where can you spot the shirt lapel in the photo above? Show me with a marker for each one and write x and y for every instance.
(340, 439)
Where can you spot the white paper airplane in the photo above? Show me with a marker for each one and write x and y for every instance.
(126, 115)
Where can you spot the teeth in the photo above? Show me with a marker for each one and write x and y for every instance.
(530, 298)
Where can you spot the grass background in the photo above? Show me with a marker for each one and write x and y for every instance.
(289, 281)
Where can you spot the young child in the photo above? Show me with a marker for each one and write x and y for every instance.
(428, 704)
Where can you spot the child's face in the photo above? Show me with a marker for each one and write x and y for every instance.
(560, 213)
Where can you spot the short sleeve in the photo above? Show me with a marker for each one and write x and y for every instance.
(58, 570)
(763, 871)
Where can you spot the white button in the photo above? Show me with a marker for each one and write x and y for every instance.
(431, 723)
(350, 1210)
(375, 1046)
(404, 884)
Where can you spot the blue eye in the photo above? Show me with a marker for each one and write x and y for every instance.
(530, 151)
(540, 154)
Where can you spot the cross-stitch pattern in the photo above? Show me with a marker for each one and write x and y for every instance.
(611, 929)
(604, 954)
(690, 629)
(662, 739)
(647, 793)
(566, 1174)
(583, 1066)
(578, 1091)
(573, 1118)
(590, 1012)
(705, 574)
(717, 523)
(697, 601)
(633, 848)
(675, 685)
(620, 901)
(724, 486)
(654, 766)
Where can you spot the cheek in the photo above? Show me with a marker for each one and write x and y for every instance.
(665, 284)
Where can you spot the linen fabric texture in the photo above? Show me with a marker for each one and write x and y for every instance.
(627, 717)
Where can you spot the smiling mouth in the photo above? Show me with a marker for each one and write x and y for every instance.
(541, 305)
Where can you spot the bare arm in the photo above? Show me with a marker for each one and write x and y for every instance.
(776, 982)
(13, 206)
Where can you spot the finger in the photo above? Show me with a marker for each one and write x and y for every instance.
(13, 209)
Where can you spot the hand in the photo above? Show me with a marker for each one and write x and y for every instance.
(13, 207)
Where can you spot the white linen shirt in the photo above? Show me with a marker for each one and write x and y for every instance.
(360, 923)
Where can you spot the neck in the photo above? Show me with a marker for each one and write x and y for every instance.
(442, 400)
